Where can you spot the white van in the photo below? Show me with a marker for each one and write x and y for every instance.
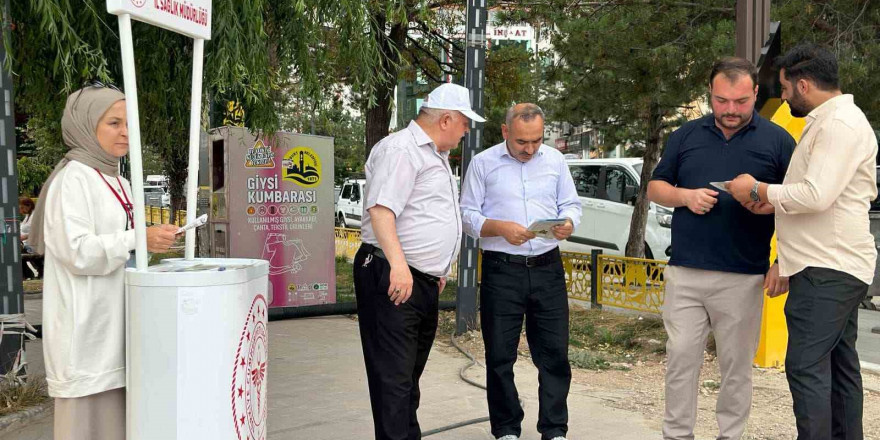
(608, 190)
(156, 180)
(350, 205)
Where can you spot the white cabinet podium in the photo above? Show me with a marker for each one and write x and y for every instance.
(197, 350)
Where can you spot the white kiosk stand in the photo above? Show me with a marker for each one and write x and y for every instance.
(196, 340)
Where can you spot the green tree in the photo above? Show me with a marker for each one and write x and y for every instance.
(512, 75)
(329, 115)
(256, 46)
(31, 175)
(850, 29)
(413, 37)
(630, 68)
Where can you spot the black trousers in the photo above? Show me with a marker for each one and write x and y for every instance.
(396, 341)
(509, 292)
(822, 365)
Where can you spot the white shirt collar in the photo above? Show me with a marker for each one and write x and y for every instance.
(829, 106)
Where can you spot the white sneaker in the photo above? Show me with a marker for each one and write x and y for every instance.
(508, 437)
(559, 438)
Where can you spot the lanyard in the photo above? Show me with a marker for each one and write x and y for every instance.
(126, 205)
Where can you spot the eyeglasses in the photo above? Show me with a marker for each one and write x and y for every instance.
(93, 83)
(97, 83)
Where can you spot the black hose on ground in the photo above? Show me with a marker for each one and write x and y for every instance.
(470, 381)
(279, 313)
(473, 361)
(347, 308)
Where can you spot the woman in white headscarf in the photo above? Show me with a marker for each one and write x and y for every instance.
(84, 224)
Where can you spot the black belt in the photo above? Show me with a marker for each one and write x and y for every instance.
(375, 250)
(544, 259)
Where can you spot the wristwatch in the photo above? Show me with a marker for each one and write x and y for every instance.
(753, 194)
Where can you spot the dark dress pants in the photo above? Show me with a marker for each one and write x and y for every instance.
(509, 292)
(822, 365)
(396, 341)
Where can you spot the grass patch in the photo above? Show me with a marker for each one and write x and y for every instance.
(589, 360)
(446, 324)
(606, 340)
(601, 340)
(33, 286)
(711, 385)
(15, 396)
(615, 333)
(344, 281)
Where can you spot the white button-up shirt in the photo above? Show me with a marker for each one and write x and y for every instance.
(822, 206)
(500, 187)
(406, 174)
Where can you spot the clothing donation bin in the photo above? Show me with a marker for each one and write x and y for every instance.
(197, 349)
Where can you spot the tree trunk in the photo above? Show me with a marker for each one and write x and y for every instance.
(635, 245)
(175, 157)
(378, 118)
(379, 115)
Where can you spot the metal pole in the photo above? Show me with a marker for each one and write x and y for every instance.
(752, 28)
(134, 141)
(192, 189)
(11, 292)
(595, 276)
(475, 64)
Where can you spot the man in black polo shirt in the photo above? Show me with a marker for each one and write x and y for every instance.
(720, 250)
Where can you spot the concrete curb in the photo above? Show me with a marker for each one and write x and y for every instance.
(870, 366)
(15, 421)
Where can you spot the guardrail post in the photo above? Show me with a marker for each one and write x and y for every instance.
(595, 276)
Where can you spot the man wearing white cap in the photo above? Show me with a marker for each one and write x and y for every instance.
(411, 233)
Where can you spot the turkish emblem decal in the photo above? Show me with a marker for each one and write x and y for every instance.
(249, 399)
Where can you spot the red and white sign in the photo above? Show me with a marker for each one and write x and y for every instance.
(188, 17)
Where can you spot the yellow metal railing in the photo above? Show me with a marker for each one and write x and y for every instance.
(349, 240)
(578, 275)
(160, 215)
(631, 283)
(638, 284)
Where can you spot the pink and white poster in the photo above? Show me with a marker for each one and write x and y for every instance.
(278, 193)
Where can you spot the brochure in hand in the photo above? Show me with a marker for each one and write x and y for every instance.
(720, 185)
(541, 227)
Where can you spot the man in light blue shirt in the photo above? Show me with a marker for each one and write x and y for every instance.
(507, 188)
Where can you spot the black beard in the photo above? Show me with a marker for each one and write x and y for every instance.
(797, 112)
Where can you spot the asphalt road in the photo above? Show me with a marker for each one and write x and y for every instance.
(868, 343)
